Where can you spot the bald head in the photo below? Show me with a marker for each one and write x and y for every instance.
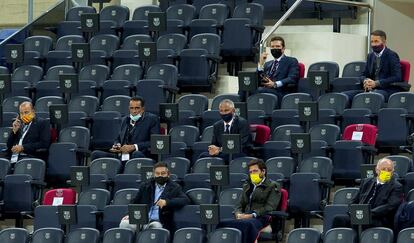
(385, 164)
(26, 104)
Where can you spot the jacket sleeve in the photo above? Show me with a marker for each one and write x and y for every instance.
(216, 134)
(154, 129)
(393, 202)
(12, 140)
(293, 73)
(43, 129)
(272, 202)
(395, 71)
(178, 199)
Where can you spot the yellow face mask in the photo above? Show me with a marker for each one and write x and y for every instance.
(28, 118)
(384, 176)
(255, 178)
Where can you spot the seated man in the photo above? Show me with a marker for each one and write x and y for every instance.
(383, 192)
(382, 69)
(30, 135)
(230, 124)
(135, 135)
(259, 197)
(162, 196)
(278, 74)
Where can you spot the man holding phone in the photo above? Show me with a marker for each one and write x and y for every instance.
(276, 75)
(30, 135)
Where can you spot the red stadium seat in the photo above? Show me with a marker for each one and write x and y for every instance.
(301, 70)
(260, 133)
(405, 70)
(51, 197)
(365, 133)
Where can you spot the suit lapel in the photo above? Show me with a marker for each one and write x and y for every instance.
(233, 128)
(370, 187)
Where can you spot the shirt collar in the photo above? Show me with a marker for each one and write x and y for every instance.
(381, 52)
(230, 122)
(278, 60)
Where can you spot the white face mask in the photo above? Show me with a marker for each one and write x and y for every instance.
(135, 118)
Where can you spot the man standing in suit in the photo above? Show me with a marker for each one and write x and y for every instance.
(230, 124)
(134, 138)
(382, 69)
(383, 193)
(278, 74)
(162, 196)
(30, 135)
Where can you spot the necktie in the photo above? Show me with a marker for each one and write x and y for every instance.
(377, 66)
(375, 192)
(275, 65)
(227, 131)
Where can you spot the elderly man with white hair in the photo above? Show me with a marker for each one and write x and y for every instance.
(384, 194)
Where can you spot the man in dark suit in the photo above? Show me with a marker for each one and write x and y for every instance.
(383, 192)
(134, 138)
(382, 69)
(260, 196)
(277, 75)
(30, 135)
(162, 196)
(230, 124)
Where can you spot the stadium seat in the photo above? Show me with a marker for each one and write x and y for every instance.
(225, 235)
(48, 235)
(119, 103)
(118, 235)
(189, 235)
(340, 234)
(200, 196)
(14, 235)
(83, 234)
(377, 234)
(96, 197)
(157, 235)
(353, 69)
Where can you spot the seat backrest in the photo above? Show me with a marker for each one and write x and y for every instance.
(117, 13)
(202, 165)
(291, 101)
(377, 235)
(207, 41)
(331, 67)
(106, 43)
(64, 43)
(402, 164)
(252, 11)
(133, 166)
(225, 235)
(48, 235)
(405, 235)
(74, 13)
(130, 72)
(340, 234)
(185, 133)
(31, 166)
(75, 134)
(166, 72)
(365, 133)
(152, 92)
(317, 164)
(262, 101)
(96, 197)
(28, 73)
(282, 133)
(345, 195)
(107, 166)
(14, 235)
(173, 41)
(308, 235)
(393, 128)
(302, 69)
(326, 132)
(84, 103)
(201, 196)
(218, 98)
(59, 196)
(405, 70)
(195, 102)
(118, 235)
(125, 196)
(260, 133)
(131, 42)
(94, 72)
(184, 12)
(230, 196)
(402, 100)
(141, 12)
(119, 103)
(372, 101)
(353, 69)
(40, 44)
(335, 101)
(239, 165)
(11, 104)
(218, 12)
(189, 235)
(157, 235)
(54, 72)
(301, 198)
(284, 165)
(4, 168)
(83, 235)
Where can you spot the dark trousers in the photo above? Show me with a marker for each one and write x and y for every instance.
(225, 157)
(104, 154)
(250, 228)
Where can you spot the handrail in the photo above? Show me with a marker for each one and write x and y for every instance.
(298, 2)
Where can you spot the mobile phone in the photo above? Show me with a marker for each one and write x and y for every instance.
(265, 78)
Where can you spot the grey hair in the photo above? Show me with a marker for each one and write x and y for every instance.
(385, 160)
(228, 101)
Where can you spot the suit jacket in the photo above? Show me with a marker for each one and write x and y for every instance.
(37, 137)
(386, 203)
(287, 71)
(390, 69)
(239, 126)
(172, 193)
(263, 200)
(141, 135)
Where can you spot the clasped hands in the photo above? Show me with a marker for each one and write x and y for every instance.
(369, 84)
(243, 216)
(125, 149)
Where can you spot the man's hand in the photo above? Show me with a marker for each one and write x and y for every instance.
(263, 58)
(244, 216)
(17, 149)
(125, 217)
(269, 83)
(16, 125)
(161, 203)
(213, 150)
(115, 148)
(127, 148)
(369, 84)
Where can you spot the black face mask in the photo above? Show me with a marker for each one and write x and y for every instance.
(276, 53)
(227, 117)
(378, 48)
(161, 180)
